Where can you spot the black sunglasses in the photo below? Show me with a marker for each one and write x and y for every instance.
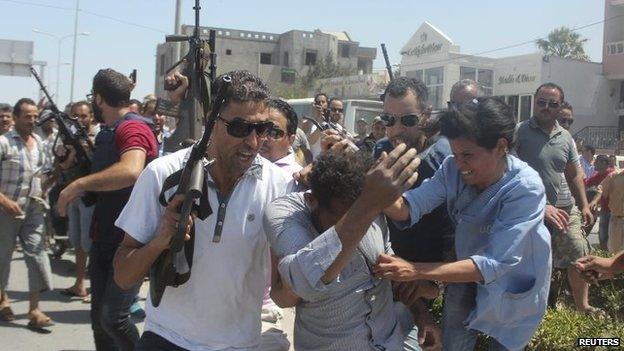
(240, 129)
(406, 120)
(336, 110)
(551, 104)
(567, 121)
(276, 133)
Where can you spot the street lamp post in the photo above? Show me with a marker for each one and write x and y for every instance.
(58, 56)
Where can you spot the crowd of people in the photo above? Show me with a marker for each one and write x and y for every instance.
(356, 232)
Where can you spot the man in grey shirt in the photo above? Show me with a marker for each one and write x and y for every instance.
(327, 241)
(550, 150)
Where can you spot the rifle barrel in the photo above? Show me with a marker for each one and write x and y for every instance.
(388, 66)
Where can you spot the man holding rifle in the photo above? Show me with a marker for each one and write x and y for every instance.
(219, 306)
(124, 145)
(22, 211)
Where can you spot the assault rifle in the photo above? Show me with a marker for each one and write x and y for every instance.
(388, 66)
(173, 266)
(72, 134)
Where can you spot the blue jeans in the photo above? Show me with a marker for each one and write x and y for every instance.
(459, 300)
(110, 305)
(603, 229)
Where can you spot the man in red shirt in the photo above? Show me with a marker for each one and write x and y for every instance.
(603, 169)
(123, 147)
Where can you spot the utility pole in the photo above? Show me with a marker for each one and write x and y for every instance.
(73, 72)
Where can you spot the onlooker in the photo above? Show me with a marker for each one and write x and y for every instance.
(160, 130)
(319, 114)
(361, 130)
(336, 112)
(78, 213)
(6, 118)
(550, 150)
(587, 160)
(22, 159)
(123, 147)
(612, 188)
(603, 169)
(378, 132)
(277, 148)
(566, 116)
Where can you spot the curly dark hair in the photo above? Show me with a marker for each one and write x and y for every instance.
(399, 87)
(339, 176)
(482, 120)
(244, 87)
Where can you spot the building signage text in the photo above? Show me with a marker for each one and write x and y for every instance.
(518, 79)
(423, 49)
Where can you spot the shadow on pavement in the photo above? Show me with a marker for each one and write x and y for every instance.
(22, 326)
(70, 317)
(62, 267)
(54, 295)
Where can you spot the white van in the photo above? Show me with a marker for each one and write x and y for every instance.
(353, 110)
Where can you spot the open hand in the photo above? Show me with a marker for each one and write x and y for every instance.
(394, 268)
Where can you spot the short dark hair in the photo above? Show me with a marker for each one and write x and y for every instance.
(551, 85)
(243, 87)
(602, 158)
(320, 94)
(463, 84)
(339, 176)
(113, 87)
(80, 103)
(484, 122)
(399, 87)
(148, 104)
(284, 108)
(17, 108)
(566, 106)
(6, 108)
(135, 102)
(590, 148)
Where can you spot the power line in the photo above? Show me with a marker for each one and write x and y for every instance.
(88, 13)
(518, 44)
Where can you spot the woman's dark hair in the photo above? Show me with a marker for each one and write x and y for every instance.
(482, 120)
(339, 176)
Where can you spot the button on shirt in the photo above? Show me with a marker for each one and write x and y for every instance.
(548, 155)
(501, 230)
(20, 168)
(354, 312)
(219, 307)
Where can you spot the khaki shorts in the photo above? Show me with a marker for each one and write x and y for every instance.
(567, 247)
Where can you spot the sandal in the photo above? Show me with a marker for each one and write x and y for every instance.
(39, 321)
(71, 293)
(6, 314)
(595, 312)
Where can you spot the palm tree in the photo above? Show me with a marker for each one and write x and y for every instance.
(564, 42)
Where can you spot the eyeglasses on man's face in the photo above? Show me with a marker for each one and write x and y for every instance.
(240, 128)
(408, 120)
(551, 104)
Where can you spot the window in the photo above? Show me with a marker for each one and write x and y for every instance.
(220, 32)
(620, 48)
(265, 58)
(270, 37)
(285, 63)
(513, 101)
(256, 36)
(228, 51)
(434, 80)
(303, 35)
(525, 107)
(344, 50)
(485, 77)
(467, 73)
(248, 35)
(242, 35)
(310, 58)
(263, 37)
(227, 33)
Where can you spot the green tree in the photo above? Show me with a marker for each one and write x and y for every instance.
(564, 42)
(325, 68)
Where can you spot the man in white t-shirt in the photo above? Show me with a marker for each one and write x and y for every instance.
(218, 308)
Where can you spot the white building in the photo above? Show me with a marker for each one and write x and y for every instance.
(432, 57)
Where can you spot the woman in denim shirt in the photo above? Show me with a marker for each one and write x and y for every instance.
(499, 284)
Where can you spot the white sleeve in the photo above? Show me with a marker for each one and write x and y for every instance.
(141, 215)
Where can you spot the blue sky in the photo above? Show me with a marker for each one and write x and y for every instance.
(476, 26)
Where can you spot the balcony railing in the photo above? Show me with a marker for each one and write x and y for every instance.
(599, 137)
